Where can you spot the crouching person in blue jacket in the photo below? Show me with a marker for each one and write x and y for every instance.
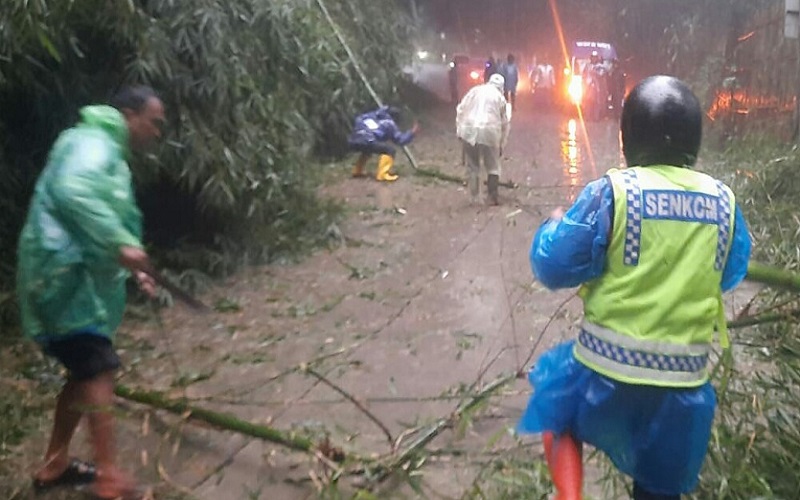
(372, 134)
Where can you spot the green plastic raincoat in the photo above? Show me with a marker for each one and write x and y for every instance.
(83, 210)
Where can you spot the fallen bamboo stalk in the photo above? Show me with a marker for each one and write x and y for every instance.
(760, 319)
(773, 276)
(221, 420)
(454, 178)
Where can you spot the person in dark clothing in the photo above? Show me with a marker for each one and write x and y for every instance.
(616, 85)
(510, 73)
(452, 80)
(490, 69)
(372, 134)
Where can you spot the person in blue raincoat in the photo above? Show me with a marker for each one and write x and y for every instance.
(80, 242)
(510, 72)
(653, 247)
(373, 132)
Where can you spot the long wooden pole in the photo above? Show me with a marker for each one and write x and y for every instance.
(357, 67)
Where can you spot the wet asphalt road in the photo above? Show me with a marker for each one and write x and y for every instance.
(421, 295)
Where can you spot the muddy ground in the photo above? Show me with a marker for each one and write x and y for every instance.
(421, 300)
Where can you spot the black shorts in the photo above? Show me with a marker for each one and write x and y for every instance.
(84, 355)
(373, 148)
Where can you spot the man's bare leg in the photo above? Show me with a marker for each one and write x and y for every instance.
(65, 421)
(98, 397)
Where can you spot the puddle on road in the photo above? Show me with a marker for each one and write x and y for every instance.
(572, 161)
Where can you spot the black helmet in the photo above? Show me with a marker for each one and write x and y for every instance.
(661, 124)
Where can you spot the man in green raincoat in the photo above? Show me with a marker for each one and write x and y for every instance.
(80, 242)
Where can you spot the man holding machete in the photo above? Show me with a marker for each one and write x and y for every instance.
(80, 242)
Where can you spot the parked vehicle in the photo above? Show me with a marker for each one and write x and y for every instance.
(593, 81)
(465, 72)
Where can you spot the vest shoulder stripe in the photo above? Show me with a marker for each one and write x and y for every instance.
(724, 230)
(633, 218)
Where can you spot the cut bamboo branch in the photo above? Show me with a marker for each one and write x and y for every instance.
(220, 420)
(442, 424)
(773, 276)
(760, 319)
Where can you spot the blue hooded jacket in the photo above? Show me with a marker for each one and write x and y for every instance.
(378, 126)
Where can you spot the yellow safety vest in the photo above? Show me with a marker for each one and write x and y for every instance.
(649, 319)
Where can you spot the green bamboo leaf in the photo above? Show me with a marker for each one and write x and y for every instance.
(47, 44)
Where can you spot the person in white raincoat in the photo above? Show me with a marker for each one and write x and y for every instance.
(482, 125)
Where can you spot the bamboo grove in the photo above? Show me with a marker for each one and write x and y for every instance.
(254, 90)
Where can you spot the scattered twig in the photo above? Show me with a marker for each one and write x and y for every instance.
(162, 473)
(353, 400)
(220, 466)
(745, 311)
(329, 401)
(521, 368)
(293, 369)
(442, 424)
(511, 306)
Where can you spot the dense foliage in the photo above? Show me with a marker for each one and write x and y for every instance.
(757, 438)
(254, 90)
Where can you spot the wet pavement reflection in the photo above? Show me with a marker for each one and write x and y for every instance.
(572, 159)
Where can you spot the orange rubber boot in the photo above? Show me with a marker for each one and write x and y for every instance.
(563, 455)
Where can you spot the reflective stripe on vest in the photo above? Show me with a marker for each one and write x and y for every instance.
(633, 218)
(633, 360)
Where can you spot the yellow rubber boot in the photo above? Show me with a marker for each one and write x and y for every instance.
(358, 168)
(385, 163)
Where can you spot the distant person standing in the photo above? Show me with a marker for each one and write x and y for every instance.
(482, 125)
(510, 73)
(452, 81)
(616, 84)
(490, 68)
(372, 134)
(545, 83)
